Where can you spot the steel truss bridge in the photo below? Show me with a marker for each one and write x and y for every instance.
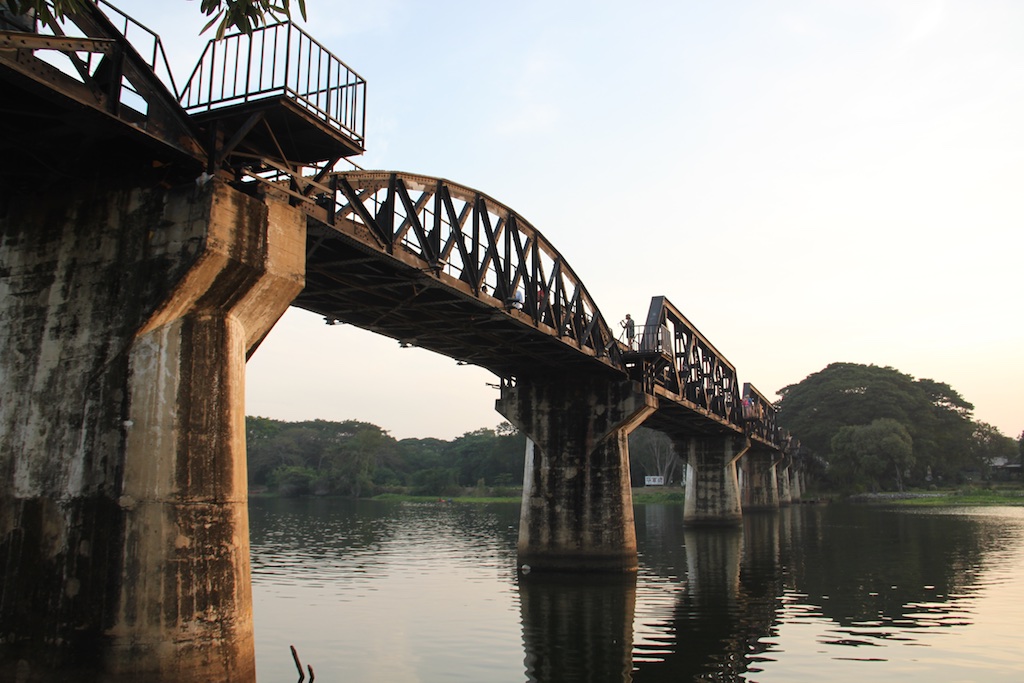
(420, 259)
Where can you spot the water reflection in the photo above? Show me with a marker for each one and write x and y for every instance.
(724, 614)
(577, 628)
(430, 593)
(873, 567)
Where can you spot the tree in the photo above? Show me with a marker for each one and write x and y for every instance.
(487, 456)
(946, 444)
(867, 454)
(353, 461)
(936, 417)
(242, 15)
(653, 453)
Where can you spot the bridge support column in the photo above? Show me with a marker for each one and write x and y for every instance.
(782, 474)
(577, 512)
(796, 487)
(126, 315)
(712, 487)
(762, 485)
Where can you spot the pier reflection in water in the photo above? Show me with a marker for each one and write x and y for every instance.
(429, 592)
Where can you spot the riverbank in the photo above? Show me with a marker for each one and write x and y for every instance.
(641, 496)
(676, 496)
(967, 496)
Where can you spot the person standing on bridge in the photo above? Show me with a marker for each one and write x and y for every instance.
(630, 330)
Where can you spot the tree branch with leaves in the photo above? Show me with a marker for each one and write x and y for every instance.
(240, 15)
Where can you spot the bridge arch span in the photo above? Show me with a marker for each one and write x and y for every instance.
(438, 265)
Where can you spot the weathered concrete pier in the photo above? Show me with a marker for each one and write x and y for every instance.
(127, 316)
(713, 489)
(577, 512)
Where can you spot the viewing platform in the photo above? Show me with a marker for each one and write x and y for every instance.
(95, 89)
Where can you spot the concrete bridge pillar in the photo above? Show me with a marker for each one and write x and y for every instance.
(762, 491)
(126, 314)
(712, 487)
(577, 512)
(782, 474)
(796, 487)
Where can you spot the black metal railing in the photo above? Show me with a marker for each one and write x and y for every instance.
(686, 363)
(144, 40)
(648, 338)
(274, 61)
(82, 63)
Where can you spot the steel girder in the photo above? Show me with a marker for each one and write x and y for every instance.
(439, 265)
(80, 80)
(697, 388)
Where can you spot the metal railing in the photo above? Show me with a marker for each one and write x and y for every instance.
(145, 41)
(273, 61)
(82, 64)
(648, 338)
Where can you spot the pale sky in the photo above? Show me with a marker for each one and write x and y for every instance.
(809, 182)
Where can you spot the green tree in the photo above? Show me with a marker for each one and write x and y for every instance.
(293, 480)
(870, 454)
(945, 443)
(486, 456)
(273, 445)
(242, 15)
(841, 395)
(340, 457)
(354, 460)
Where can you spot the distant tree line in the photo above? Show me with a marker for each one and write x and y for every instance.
(869, 428)
(354, 458)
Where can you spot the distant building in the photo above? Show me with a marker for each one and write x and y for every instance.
(1004, 469)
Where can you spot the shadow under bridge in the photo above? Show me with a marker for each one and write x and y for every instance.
(441, 266)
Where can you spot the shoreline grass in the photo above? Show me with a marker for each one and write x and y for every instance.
(964, 497)
(957, 499)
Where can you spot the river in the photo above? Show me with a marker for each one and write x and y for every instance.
(394, 592)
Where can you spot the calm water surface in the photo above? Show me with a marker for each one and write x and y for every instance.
(429, 592)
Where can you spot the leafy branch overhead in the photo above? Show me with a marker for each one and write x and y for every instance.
(246, 15)
(241, 15)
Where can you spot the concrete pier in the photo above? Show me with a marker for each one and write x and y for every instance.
(712, 484)
(127, 311)
(577, 512)
(782, 475)
(762, 487)
(796, 484)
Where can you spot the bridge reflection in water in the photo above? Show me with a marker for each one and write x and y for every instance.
(726, 604)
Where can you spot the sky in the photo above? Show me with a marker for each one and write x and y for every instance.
(808, 182)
